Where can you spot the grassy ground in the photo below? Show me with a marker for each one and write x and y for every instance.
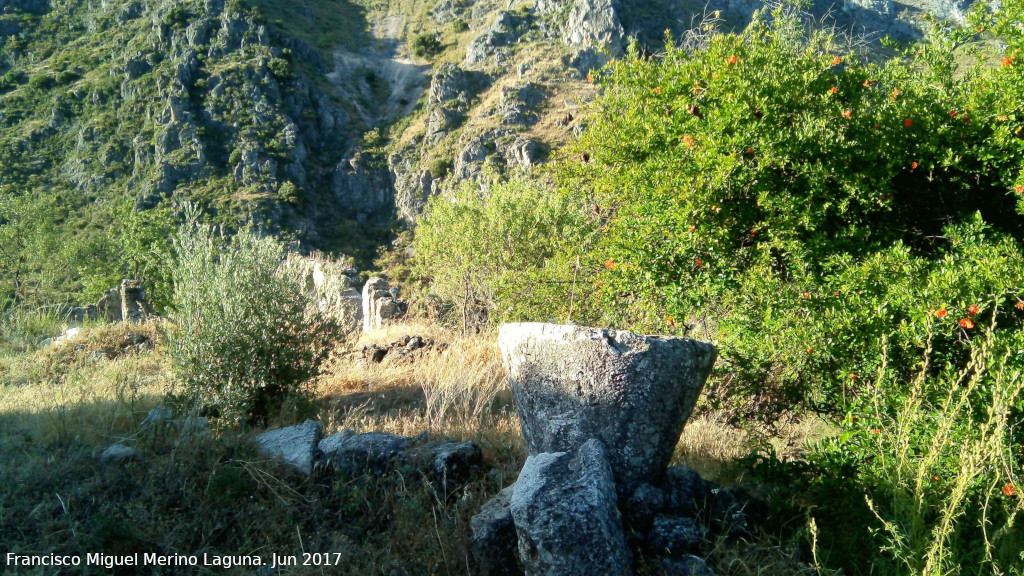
(61, 407)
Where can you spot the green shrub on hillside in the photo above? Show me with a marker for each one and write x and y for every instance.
(440, 167)
(41, 82)
(506, 252)
(424, 45)
(794, 202)
(245, 334)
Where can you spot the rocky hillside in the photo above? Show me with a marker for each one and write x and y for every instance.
(328, 119)
(511, 78)
(198, 100)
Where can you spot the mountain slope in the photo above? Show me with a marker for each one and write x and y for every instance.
(322, 120)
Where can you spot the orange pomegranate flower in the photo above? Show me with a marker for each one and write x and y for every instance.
(966, 323)
(733, 60)
(935, 477)
(688, 140)
(853, 376)
(1019, 189)
(1019, 305)
(698, 262)
(972, 310)
(895, 93)
(942, 313)
(657, 90)
(670, 320)
(847, 113)
(805, 295)
(1009, 490)
(837, 61)
(913, 165)
(609, 264)
(1007, 62)
(876, 431)
(908, 122)
(693, 228)
(833, 90)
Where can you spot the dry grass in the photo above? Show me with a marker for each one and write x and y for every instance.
(458, 390)
(710, 445)
(90, 388)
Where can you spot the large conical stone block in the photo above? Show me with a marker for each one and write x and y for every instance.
(632, 392)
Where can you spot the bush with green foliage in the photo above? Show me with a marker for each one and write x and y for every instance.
(440, 167)
(41, 82)
(787, 199)
(246, 335)
(50, 254)
(507, 251)
(795, 201)
(424, 45)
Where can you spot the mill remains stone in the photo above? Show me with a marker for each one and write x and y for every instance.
(381, 304)
(634, 393)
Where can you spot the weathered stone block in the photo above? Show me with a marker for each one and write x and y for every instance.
(294, 445)
(632, 392)
(565, 511)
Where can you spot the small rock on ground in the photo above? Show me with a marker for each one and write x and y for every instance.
(373, 452)
(448, 463)
(117, 453)
(685, 566)
(494, 539)
(676, 535)
(294, 445)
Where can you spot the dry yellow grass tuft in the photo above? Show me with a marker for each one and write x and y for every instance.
(710, 445)
(456, 389)
(90, 388)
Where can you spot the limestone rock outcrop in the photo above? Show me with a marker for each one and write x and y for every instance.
(601, 412)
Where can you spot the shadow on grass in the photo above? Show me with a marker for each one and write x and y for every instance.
(216, 496)
(407, 399)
